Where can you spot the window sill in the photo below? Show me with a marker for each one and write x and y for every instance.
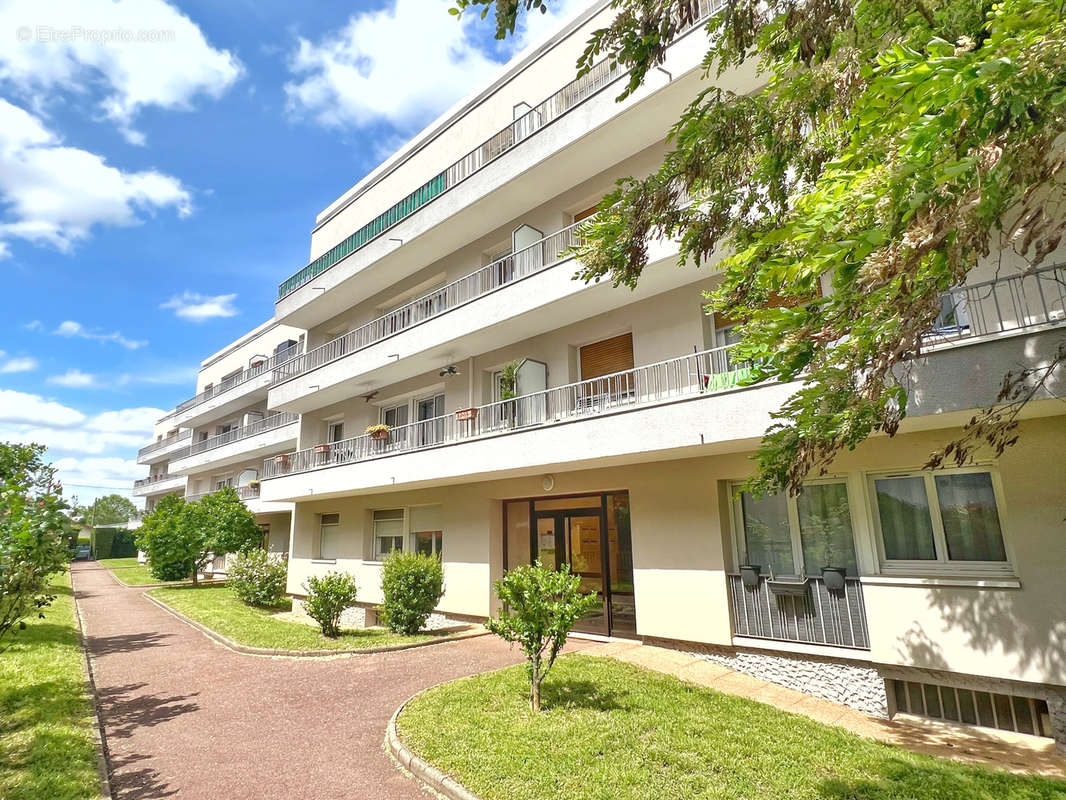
(323, 561)
(961, 581)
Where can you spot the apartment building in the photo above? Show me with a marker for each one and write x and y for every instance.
(528, 415)
(219, 437)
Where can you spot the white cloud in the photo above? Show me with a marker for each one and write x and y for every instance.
(69, 328)
(402, 64)
(34, 325)
(169, 376)
(23, 364)
(56, 194)
(83, 477)
(20, 407)
(140, 52)
(74, 379)
(200, 307)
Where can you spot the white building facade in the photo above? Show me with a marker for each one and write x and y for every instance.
(528, 415)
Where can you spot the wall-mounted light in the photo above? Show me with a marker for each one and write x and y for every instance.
(451, 369)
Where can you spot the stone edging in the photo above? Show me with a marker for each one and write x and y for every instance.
(98, 727)
(428, 774)
(245, 649)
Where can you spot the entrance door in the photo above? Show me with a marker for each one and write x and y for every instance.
(575, 537)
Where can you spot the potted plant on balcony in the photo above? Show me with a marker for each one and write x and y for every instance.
(378, 433)
(466, 414)
(282, 461)
(321, 449)
(822, 526)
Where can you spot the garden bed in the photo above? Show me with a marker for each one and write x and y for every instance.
(47, 747)
(131, 573)
(216, 608)
(613, 730)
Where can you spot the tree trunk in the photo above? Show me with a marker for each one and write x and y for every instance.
(534, 689)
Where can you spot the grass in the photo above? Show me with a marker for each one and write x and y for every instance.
(130, 572)
(46, 739)
(218, 608)
(613, 730)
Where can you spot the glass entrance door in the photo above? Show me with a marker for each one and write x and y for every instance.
(574, 537)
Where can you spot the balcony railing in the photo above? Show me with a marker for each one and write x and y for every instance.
(245, 375)
(817, 616)
(163, 443)
(152, 479)
(1003, 305)
(549, 251)
(243, 492)
(277, 420)
(706, 372)
(574, 93)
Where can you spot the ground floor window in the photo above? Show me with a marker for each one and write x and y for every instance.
(417, 528)
(798, 535)
(328, 535)
(388, 532)
(427, 530)
(948, 519)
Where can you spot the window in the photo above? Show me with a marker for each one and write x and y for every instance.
(798, 535)
(336, 432)
(395, 416)
(606, 357)
(223, 483)
(329, 526)
(426, 530)
(929, 520)
(388, 532)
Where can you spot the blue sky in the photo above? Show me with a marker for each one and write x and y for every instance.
(154, 192)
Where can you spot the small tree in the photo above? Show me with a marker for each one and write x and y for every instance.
(327, 597)
(257, 578)
(105, 510)
(412, 584)
(181, 538)
(540, 606)
(33, 531)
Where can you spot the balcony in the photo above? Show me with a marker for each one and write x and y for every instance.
(811, 615)
(157, 451)
(272, 433)
(158, 484)
(250, 496)
(232, 393)
(516, 297)
(592, 136)
(533, 121)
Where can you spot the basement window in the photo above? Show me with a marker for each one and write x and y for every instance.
(1006, 712)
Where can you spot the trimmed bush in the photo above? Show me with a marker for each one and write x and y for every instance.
(257, 579)
(112, 543)
(412, 584)
(327, 597)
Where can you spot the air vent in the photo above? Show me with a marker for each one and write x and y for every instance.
(1006, 712)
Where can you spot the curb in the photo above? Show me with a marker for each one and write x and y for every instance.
(248, 650)
(98, 728)
(433, 778)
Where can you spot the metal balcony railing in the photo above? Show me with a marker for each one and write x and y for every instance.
(549, 251)
(243, 492)
(245, 375)
(818, 616)
(705, 372)
(572, 94)
(277, 420)
(1003, 305)
(163, 443)
(154, 479)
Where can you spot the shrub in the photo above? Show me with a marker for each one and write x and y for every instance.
(412, 584)
(540, 606)
(327, 597)
(112, 543)
(257, 579)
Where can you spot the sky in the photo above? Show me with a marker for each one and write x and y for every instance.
(161, 165)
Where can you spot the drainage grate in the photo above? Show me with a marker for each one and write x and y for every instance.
(1007, 712)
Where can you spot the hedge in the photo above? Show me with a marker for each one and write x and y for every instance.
(112, 543)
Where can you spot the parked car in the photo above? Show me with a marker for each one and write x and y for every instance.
(81, 552)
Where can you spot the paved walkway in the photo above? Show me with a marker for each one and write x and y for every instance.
(1036, 756)
(185, 717)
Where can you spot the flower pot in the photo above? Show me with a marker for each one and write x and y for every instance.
(321, 449)
(794, 586)
(466, 414)
(834, 578)
(379, 436)
(749, 575)
(281, 461)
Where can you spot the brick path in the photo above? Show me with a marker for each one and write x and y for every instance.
(185, 717)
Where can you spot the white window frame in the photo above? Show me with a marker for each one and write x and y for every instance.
(403, 535)
(334, 529)
(394, 406)
(941, 565)
(330, 425)
(740, 545)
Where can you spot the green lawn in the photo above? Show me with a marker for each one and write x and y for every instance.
(613, 730)
(46, 739)
(130, 572)
(218, 608)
